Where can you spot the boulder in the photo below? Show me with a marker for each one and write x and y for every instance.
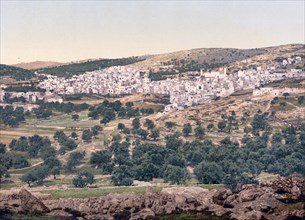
(143, 214)
(30, 204)
(60, 214)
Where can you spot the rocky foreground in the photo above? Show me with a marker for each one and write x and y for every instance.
(283, 198)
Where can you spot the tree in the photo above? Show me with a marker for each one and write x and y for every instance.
(136, 123)
(122, 176)
(143, 133)
(199, 132)
(102, 159)
(175, 174)
(301, 99)
(129, 104)
(55, 171)
(208, 172)
(93, 114)
(47, 152)
(37, 175)
(149, 124)
(20, 161)
(210, 127)
(121, 126)
(28, 178)
(155, 134)
(52, 162)
(117, 105)
(2, 148)
(235, 182)
(221, 125)
(96, 129)
(60, 136)
(87, 135)
(74, 135)
(173, 142)
(75, 117)
(3, 171)
(170, 124)
(126, 131)
(187, 129)
(83, 179)
(42, 113)
(109, 115)
(75, 159)
(259, 122)
(286, 94)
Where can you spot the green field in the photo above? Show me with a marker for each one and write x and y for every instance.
(87, 193)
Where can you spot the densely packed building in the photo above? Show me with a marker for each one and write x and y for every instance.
(183, 93)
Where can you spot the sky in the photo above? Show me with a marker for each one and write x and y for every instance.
(67, 31)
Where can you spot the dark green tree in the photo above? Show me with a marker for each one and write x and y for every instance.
(175, 174)
(121, 126)
(83, 179)
(87, 135)
(210, 127)
(75, 117)
(187, 129)
(75, 159)
(96, 129)
(136, 123)
(208, 172)
(102, 159)
(221, 125)
(155, 134)
(149, 124)
(170, 124)
(199, 132)
(122, 176)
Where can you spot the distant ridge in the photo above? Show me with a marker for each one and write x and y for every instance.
(37, 64)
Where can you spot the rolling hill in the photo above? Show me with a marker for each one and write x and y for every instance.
(80, 67)
(210, 58)
(15, 72)
(37, 65)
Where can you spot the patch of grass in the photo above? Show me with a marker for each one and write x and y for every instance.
(287, 107)
(86, 193)
(21, 171)
(76, 170)
(7, 186)
(211, 186)
(58, 182)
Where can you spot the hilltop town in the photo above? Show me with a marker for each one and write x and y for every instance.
(199, 87)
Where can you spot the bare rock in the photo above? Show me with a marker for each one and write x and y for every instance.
(30, 204)
(220, 196)
(61, 214)
(143, 214)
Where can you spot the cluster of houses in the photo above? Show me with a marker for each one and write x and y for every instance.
(30, 98)
(291, 60)
(183, 93)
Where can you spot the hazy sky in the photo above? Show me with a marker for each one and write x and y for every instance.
(73, 30)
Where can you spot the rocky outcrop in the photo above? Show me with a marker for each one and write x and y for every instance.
(282, 198)
(30, 204)
(21, 202)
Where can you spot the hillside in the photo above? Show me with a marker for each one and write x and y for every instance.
(77, 68)
(272, 56)
(15, 72)
(210, 58)
(37, 65)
